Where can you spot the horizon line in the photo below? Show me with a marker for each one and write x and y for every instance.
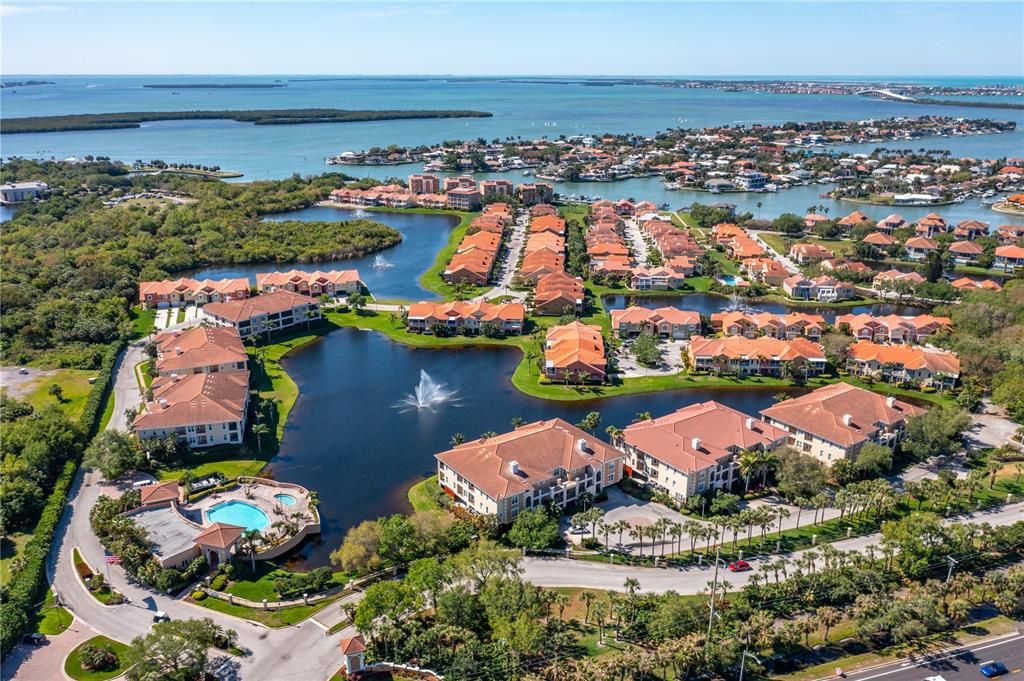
(528, 75)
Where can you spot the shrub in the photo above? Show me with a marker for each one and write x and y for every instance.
(98, 658)
(198, 595)
(591, 543)
(219, 582)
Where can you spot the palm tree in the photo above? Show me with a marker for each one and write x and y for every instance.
(676, 531)
(600, 617)
(269, 326)
(993, 466)
(457, 439)
(588, 598)
(631, 585)
(590, 422)
(561, 600)
(638, 533)
(782, 512)
(828, 617)
(259, 430)
(249, 539)
(620, 527)
(517, 421)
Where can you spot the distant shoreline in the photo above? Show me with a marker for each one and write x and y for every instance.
(213, 86)
(133, 119)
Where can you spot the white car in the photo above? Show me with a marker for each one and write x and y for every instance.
(934, 678)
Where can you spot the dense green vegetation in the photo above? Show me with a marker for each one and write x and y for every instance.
(132, 119)
(98, 659)
(71, 265)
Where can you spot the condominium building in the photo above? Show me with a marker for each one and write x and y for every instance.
(332, 283)
(741, 356)
(183, 291)
(575, 349)
(892, 328)
(541, 463)
(466, 317)
(203, 409)
(665, 322)
(835, 421)
(917, 365)
(695, 449)
(424, 184)
(198, 350)
(264, 313)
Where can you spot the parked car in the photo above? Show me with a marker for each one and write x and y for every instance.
(993, 669)
(33, 639)
(161, 616)
(23, 371)
(739, 566)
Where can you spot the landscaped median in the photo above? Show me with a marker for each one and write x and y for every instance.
(94, 582)
(98, 659)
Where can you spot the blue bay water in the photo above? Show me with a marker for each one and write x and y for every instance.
(528, 110)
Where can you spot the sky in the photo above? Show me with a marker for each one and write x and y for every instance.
(821, 38)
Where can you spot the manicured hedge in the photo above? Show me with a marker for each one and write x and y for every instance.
(26, 586)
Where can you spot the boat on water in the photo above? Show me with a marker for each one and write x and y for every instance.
(527, 173)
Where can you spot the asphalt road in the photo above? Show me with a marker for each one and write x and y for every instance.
(958, 664)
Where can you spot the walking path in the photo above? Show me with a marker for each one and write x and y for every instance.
(565, 572)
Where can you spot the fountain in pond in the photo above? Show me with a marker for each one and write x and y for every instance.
(379, 263)
(427, 395)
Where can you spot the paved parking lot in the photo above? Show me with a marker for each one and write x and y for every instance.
(671, 358)
(30, 663)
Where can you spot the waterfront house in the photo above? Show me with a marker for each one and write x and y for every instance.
(890, 224)
(844, 265)
(314, 284)
(811, 219)
(1009, 258)
(806, 254)
(854, 219)
(894, 278)
(465, 317)
(264, 313)
(655, 278)
(970, 229)
(757, 324)
(919, 247)
(537, 464)
(892, 328)
(203, 409)
(558, 293)
(1008, 234)
(695, 449)
(823, 288)
(424, 184)
(183, 291)
(930, 225)
(198, 350)
(665, 322)
(834, 422)
(22, 192)
(966, 284)
(766, 270)
(764, 356)
(915, 365)
(573, 351)
(965, 252)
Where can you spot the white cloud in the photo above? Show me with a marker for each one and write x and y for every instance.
(9, 10)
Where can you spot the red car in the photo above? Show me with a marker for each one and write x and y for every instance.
(739, 566)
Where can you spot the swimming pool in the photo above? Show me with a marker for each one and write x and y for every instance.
(285, 499)
(728, 279)
(238, 513)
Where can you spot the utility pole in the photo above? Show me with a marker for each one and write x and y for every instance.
(714, 587)
(952, 564)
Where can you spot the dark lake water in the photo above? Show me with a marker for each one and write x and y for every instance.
(346, 439)
(708, 303)
(422, 237)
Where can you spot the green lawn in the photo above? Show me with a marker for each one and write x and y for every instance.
(260, 585)
(271, 618)
(143, 321)
(75, 386)
(728, 265)
(105, 594)
(73, 666)
(841, 247)
(10, 546)
(180, 316)
(52, 620)
(423, 495)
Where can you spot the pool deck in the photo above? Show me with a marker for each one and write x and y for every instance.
(260, 496)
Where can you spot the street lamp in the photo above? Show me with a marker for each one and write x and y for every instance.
(743, 661)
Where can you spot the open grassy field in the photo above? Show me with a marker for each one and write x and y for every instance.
(270, 618)
(52, 619)
(259, 585)
(841, 247)
(422, 495)
(10, 546)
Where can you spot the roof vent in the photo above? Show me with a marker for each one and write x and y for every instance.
(582, 445)
(513, 467)
(890, 402)
(177, 350)
(695, 443)
(163, 404)
(847, 419)
(750, 423)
